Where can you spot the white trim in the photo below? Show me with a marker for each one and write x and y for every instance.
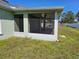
(19, 34)
(46, 37)
(41, 34)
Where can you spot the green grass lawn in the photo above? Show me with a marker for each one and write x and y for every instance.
(24, 48)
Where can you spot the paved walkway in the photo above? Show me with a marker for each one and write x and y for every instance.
(74, 25)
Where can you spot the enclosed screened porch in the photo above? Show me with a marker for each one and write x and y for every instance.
(37, 24)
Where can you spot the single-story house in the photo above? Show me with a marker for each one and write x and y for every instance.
(36, 23)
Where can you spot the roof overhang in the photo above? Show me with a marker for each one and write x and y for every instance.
(8, 7)
(41, 10)
(5, 6)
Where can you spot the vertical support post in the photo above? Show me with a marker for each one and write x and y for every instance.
(44, 22)
(0, 27)
(26, 23)
(56, 26)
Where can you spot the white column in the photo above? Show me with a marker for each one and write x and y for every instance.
(56, 26)
(26, 23)
(0, 27)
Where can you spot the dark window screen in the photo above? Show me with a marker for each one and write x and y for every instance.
(19, 27)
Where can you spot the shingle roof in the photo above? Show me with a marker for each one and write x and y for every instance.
(5, 5)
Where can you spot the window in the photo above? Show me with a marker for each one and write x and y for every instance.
(19, 27)
(41, 23)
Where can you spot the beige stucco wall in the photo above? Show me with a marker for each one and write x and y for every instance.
(7, 24)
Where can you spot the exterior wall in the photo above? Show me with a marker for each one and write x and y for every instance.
(7, 24)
